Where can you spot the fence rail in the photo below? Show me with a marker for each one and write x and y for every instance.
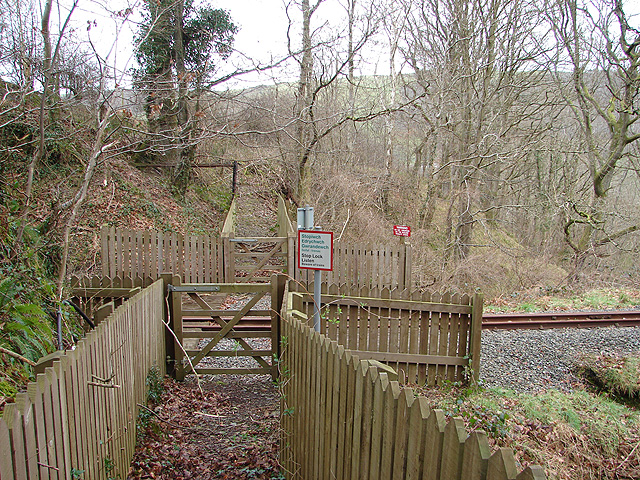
(428, 338)
(79, 416)
(343, 418)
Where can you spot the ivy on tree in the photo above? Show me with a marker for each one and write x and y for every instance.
(176, 43)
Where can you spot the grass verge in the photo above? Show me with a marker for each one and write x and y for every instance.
(578, 435)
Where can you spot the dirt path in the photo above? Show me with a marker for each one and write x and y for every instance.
(231, 433)
(257, 208)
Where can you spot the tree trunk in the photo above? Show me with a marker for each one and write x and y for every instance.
(182, 170)
(305, 97)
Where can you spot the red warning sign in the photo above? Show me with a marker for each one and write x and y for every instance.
(402, 230)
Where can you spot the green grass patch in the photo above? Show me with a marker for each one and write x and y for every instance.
(554, 429)
(614, 375)
(552, 300)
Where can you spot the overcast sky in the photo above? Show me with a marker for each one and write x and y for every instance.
(261, 36)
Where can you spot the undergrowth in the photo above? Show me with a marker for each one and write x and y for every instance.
(614, 375)
(578, 435)
(27, 300)
(147, 424)
(541, 300)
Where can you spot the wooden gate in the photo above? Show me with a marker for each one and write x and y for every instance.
(203, 315)
(256, 259)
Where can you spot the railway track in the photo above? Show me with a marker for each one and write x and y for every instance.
(490, 321)
(503, 321)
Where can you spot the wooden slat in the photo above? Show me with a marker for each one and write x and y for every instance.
(102, 292)
(452, 449)
(476, 456)
(476, 335)
(337, 418)
(418, 415)
(377, 413)
(29, 433)
(391, 396)
(445, 321)
(434, 331)
(104, 249)
(13, 419)
(433, 446)
(400, 457)
(502, 465)
(202, 314)
(363, 321)
(532, 473)
(47, 411)
(454, 373)
(367, 422)
(395, 303)
(423, 342)
(404, 341)
(356, 439)
(232, 335)
(37, 400)
(6, 461)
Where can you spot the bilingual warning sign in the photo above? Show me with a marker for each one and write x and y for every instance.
(315, 250)
(402, 230)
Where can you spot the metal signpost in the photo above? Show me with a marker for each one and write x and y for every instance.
(315, 252)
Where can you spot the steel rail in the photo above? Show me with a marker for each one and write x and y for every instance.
(618, 318)
(490, 321)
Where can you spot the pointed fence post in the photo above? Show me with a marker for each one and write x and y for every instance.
(476, 335)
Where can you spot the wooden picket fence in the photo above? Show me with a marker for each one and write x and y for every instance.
(98, 297)
(128, 253)
(343, 418)
(428, 338)
(205, 259)
(78, 418)
(373, 266)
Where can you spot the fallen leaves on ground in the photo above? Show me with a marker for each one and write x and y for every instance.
(231, 432)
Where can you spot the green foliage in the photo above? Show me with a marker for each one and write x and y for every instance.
(218, 195)
(109, 466)
(25, 326)
(7, 389)
(604, 422)
(16, 141)
(604, 425)
(548, 298)
(288, 412)
(155, 387)
(615, 375)
(480, 416)
(146, 424)
(205, 31)
(25, 294)
(146, 419)
(76, 474)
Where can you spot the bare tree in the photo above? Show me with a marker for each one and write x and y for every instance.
(598, 58)
(336, 62)
(482, 106)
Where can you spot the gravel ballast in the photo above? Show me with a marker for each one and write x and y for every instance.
(535, 360)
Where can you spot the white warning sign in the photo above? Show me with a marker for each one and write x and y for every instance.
(315, 250)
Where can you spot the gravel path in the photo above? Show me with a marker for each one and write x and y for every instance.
(534, 360)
